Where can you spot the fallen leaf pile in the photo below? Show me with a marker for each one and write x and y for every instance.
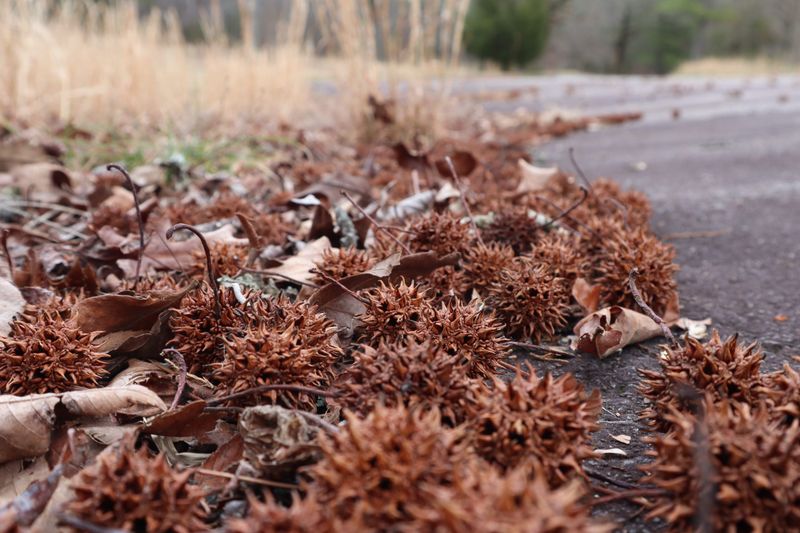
(326, 341)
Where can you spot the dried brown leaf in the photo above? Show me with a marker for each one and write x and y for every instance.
(610, 329)
(26, 422)
(11, 303)
(340, 306)
(299, 266)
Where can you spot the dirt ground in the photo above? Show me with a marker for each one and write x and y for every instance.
(724, 181)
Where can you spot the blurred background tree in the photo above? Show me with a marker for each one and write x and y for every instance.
(511, 33)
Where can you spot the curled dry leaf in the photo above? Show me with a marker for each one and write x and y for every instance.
(341, 306)
(533, 178)
(11, 303)
(26, 422)
(128, 322)
(190, 420)
(696, 329)
(611, 329)
(27, 507)
(277, 439)
(298, 267)
(586, 294)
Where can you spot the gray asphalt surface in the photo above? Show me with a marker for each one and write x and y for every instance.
(724, 181)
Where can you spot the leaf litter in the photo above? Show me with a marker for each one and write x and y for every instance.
(331, 349)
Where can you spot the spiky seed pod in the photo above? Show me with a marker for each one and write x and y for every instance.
(164, 282)
(750, 469)
(512, 503)
(342, 262)
(440, 233)
(198, 335)
(45, 353)
(303, 516)
(380, 471)
(381, 246)
(395, 312)
(130, 490)
(625, 250)
(483, 263)
(227, 259)
(608, 199)
(548, 420)
(514, 228)
(530, 300)
(561, 252)
(292, 343)
(415, 375)
(781, 391)
(445, 284)
(726, 370)
(469, 334)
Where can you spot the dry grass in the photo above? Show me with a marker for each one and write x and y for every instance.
(92, 64)
(716, 66)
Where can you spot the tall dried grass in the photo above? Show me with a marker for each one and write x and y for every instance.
(89, 63)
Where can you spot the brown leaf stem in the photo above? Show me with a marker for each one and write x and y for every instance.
(139, 219)
(637, 296)
(212, 279)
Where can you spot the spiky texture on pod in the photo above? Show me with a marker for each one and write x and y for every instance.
(381, 246)
(512, 503)
(45, 353)
(745, 466)
(560, 252)
(197, 333)
(726, 370)
(608, 199)
(440, 233)
(545, 420)
(781, 391)
(395, 312)
(622, 252)
(415, 375)
(531, 301)
(469, 334)
(129, 490)
(291, 343)
(514, 228)
(163, 282)
(303, 516)
(483, 263)
(339, 263)
(226, 259)
(380, 472)
(445, 284)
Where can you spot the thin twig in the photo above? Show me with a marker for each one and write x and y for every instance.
(82, 525)
(379, 227)
(578, 168)
(449, 162)
(48, 223)
(602, 477)
(247, 479)
(628, 494)
(318, 420)
(570, 209)
(331, 279)
(4, 245)
(212, 278)
(139, 219)
(637, 297)
(267, 388)
(181, 362)
(542, 348)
